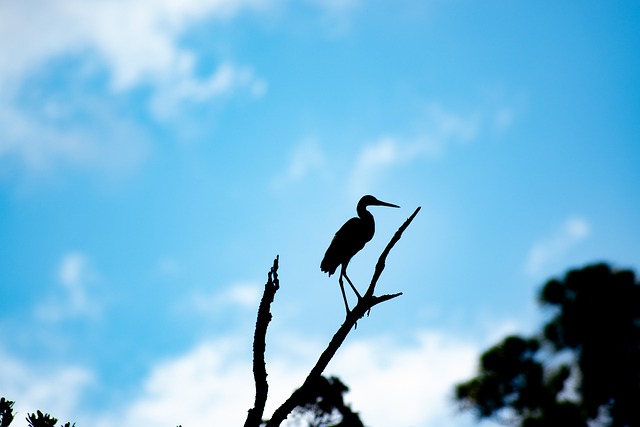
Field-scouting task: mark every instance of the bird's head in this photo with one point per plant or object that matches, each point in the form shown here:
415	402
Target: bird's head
369	200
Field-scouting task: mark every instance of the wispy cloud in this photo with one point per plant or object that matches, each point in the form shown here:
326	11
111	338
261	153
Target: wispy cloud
75	275
53	389
33	146
136	44
440	129
305	159
225	80
239	295
375	158
137	41
553	247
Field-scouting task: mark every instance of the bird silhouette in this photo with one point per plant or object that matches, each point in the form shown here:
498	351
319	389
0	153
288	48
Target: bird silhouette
348	241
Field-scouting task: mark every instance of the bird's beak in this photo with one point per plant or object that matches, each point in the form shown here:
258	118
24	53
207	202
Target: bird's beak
381	203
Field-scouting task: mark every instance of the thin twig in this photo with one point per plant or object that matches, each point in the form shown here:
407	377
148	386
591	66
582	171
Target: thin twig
383	257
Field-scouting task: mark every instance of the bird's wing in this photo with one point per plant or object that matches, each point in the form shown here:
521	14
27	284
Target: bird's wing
343	246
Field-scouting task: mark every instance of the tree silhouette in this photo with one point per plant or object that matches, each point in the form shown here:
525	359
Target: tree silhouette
6	412
37	419
43	420
323	406
582	369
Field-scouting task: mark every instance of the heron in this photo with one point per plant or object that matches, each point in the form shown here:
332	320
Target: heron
348	241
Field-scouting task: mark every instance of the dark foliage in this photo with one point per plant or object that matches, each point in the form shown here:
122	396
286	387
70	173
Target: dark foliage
37	419
584	367
41	420
44	420
323	406
6	412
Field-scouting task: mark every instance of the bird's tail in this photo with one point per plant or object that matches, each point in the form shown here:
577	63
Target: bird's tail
326	268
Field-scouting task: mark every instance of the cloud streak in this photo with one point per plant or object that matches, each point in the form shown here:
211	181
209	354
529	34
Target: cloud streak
245	295
32	147
440	130
75	276
573	231
306	158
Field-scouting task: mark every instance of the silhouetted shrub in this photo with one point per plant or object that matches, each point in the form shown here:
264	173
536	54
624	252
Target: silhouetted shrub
584	366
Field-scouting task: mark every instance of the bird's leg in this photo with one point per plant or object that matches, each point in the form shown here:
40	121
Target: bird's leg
344	296
352	287
346	305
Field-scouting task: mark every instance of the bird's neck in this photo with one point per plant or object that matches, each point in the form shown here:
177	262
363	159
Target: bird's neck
364	213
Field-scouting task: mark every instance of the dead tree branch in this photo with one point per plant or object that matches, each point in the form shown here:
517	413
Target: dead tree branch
254	417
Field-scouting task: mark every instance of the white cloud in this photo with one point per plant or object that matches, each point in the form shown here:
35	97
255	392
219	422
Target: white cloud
306	158
75	275
243	294
553	247
227	78
139	44
441	128
56	390
210	385
246	295
138	41
391	383
449	127
373	159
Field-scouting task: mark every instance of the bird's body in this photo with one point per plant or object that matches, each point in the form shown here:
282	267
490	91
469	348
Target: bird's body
349	240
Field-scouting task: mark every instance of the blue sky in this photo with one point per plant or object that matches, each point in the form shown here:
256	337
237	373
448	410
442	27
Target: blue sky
156	155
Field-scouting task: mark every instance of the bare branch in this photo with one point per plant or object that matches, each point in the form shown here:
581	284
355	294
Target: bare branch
383	257
254	417
364	305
